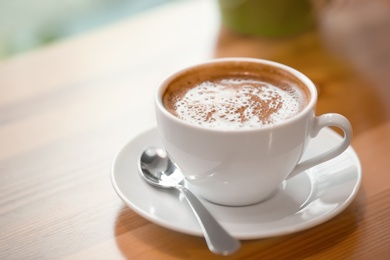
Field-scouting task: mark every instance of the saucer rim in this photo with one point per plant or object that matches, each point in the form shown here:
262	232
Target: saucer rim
256	235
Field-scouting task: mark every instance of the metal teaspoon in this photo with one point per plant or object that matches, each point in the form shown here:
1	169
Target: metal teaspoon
158	170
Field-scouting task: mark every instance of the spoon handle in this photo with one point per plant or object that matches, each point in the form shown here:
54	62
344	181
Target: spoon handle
218	240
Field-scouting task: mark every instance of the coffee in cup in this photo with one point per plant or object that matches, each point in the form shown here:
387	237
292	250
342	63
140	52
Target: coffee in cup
235	99
238	127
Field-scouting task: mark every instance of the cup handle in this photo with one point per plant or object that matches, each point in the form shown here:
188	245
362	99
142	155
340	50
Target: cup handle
321	122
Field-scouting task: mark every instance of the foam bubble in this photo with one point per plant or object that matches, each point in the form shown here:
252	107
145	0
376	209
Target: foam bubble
237	103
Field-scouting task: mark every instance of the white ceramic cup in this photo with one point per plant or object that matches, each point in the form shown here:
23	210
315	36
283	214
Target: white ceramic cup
238	167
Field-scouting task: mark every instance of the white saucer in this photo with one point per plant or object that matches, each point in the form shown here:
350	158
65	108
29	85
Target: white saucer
302	202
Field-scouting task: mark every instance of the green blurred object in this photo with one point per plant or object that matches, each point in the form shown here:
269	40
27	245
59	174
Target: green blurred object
274	18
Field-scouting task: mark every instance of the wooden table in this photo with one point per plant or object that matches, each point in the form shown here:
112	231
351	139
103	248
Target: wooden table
66	109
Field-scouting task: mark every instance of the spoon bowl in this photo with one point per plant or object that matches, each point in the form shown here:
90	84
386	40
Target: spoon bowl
157	169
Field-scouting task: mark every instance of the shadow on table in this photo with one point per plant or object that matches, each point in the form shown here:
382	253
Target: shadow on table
294	246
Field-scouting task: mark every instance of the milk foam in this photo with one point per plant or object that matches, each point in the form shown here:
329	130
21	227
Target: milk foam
236	103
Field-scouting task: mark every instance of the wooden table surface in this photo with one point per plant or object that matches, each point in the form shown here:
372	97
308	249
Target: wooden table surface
67	109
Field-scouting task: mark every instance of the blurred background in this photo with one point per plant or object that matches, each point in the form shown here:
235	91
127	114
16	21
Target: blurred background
28	24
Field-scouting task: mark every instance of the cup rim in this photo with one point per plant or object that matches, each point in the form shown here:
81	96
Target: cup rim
303	78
